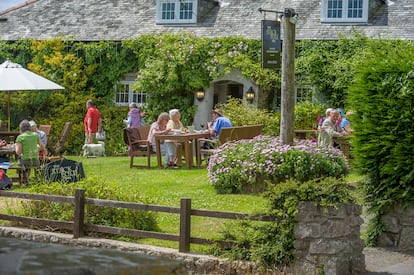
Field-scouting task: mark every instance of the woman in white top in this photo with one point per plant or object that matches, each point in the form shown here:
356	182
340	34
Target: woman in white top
174	124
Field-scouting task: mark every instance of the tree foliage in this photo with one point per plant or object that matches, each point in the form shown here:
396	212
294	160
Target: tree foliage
382	94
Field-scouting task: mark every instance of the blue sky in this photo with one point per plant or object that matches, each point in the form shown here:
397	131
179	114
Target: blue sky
4	4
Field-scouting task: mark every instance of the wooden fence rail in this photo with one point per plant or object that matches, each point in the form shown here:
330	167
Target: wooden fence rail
78	225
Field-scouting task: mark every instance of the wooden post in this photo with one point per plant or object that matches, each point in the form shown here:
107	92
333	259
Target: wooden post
185	225
287	117
79	213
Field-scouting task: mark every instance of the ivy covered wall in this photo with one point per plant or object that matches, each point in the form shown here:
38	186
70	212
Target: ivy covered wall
170	68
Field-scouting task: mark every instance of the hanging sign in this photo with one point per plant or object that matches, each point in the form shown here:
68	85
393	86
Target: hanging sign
271	44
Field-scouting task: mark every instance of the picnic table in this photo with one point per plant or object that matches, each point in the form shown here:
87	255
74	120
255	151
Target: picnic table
185	138
344	144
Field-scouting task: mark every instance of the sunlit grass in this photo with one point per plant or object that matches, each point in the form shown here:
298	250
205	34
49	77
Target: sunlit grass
166	187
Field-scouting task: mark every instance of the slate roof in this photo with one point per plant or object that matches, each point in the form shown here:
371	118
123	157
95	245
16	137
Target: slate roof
92	20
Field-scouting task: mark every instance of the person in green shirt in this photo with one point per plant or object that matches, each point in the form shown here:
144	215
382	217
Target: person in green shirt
28	145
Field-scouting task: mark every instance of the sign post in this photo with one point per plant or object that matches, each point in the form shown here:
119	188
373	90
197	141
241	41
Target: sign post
271	44
271	50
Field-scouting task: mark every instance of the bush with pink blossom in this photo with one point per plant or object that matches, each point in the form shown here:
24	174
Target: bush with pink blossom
246	166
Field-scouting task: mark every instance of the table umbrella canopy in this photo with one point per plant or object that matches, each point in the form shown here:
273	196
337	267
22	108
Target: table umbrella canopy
13	77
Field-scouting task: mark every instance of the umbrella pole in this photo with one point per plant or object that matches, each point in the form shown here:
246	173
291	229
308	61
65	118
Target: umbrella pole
8	111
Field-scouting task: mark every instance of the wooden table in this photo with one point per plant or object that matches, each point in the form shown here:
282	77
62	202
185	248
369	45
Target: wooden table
7	151
301	134
182	137
344	144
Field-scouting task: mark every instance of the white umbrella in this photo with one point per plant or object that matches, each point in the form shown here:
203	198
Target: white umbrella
13	77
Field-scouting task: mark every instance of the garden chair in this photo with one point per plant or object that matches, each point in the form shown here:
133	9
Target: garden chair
55	150
138	144
226	134
46	129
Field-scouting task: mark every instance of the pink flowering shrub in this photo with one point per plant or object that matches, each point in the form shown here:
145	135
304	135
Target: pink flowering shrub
237	165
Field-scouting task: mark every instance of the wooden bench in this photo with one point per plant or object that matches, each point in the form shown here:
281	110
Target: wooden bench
304	134
226	135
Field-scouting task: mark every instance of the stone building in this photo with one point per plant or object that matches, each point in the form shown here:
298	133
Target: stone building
97	20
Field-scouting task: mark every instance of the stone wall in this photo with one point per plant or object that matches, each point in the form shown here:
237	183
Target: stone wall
328	240
398	228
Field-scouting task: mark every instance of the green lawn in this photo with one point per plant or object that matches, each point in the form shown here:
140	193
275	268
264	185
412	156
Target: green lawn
166	187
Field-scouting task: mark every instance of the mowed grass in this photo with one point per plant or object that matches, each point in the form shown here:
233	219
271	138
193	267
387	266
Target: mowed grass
166	187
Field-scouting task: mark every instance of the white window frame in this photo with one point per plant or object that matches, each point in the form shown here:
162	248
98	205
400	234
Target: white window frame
126	95
178	5
326	16
303	93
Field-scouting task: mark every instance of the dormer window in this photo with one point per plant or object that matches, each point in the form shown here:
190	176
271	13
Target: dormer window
344	11
176	11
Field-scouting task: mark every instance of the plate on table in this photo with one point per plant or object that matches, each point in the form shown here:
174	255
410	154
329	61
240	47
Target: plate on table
5	165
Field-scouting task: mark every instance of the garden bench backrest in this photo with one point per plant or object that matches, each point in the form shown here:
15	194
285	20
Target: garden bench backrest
226	135
239	132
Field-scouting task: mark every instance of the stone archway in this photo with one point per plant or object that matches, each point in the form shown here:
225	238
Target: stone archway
233	84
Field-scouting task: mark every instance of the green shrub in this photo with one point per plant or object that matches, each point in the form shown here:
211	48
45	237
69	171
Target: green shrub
382	94
117	217
270	244
242	113
306	114
235	166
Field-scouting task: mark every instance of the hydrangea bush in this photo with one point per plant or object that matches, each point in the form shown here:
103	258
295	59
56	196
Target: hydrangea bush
239	166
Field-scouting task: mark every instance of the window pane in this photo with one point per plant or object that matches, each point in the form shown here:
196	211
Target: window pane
186	10
334	9
139	98
168	11
355	8
303	94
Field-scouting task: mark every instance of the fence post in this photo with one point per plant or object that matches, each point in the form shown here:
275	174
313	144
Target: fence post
185	225
79	213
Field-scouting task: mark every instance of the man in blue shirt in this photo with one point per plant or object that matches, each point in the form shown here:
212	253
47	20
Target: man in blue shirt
218	122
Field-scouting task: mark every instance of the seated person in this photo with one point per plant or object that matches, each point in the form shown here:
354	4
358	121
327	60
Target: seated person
322	119
159	127
345	123
174	124
4	158
329	129
28	145
42	135
218	122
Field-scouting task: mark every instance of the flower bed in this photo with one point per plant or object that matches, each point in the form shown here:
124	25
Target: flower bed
247	165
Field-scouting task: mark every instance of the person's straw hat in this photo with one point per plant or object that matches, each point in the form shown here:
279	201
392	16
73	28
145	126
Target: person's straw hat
216	111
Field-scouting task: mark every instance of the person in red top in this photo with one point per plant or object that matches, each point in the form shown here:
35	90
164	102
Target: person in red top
92	122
